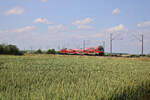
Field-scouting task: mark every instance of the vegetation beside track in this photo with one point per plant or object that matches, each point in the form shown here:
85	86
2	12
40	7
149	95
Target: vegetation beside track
59	77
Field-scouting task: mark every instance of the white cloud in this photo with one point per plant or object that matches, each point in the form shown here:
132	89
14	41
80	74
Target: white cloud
144	24
14	11
83	23
43	0
24	29
56	28
116	11
42	20
117	28
84	27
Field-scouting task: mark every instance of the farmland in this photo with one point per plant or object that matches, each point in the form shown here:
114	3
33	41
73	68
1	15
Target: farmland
57	77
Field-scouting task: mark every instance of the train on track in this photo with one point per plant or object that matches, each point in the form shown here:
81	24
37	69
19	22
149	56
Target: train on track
99	50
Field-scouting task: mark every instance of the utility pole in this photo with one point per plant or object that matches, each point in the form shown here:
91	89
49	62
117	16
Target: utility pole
142	44
83	44
141	40
110	43
58	47
31	49
62	44
104	44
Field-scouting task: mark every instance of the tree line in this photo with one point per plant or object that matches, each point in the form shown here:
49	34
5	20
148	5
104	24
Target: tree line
9	49
49	51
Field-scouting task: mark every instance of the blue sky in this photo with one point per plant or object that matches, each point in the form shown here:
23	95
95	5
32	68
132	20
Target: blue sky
66	23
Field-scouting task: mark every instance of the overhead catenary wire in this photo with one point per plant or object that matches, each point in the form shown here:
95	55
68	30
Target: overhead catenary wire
141	39
113	38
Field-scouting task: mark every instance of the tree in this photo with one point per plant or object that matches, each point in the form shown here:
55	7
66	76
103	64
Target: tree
39	51
51	51
1	49
9	49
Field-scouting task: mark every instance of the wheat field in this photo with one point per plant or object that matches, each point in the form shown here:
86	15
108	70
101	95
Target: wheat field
59	77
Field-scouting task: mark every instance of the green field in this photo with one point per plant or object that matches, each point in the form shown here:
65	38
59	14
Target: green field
54	77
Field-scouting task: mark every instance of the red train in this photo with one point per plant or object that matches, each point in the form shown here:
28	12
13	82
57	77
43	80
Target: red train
86	51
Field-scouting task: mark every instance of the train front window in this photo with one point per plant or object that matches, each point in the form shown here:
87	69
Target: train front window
100	49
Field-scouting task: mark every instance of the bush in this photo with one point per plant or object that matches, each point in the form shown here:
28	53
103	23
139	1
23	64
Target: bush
51	51
148	55
23	51
39	51
134	55
19	53
57	52
114	54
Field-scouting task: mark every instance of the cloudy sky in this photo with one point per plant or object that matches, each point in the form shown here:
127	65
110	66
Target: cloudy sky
56	24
